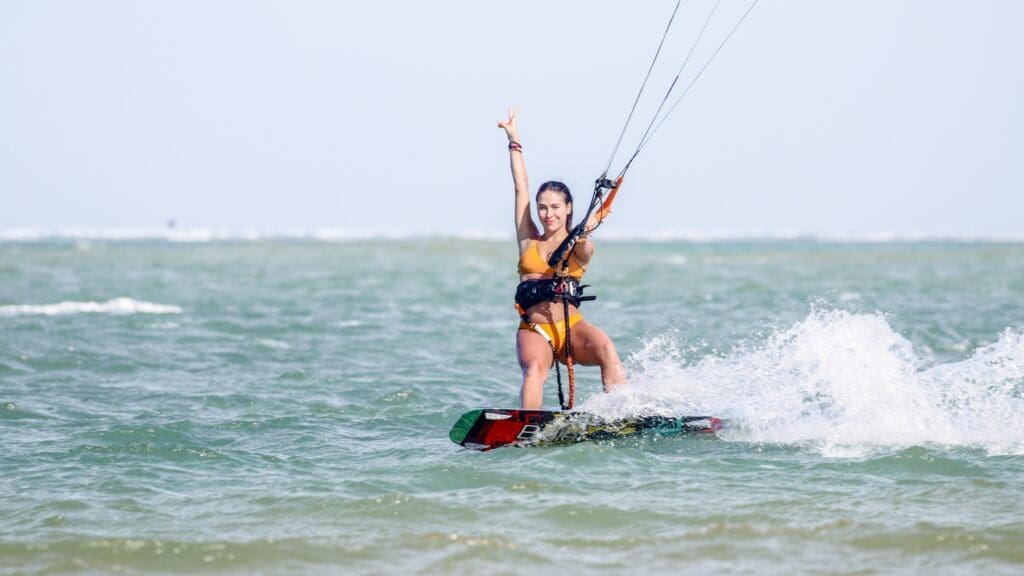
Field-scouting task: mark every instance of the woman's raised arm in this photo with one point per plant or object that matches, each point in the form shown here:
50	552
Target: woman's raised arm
525	228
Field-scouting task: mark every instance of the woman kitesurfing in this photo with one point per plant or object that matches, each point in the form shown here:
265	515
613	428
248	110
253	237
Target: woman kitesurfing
554	256
548	296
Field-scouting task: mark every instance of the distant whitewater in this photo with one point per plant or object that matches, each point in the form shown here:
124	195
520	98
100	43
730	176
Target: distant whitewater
113	306
339	234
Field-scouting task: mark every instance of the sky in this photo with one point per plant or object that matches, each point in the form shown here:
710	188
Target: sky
818	117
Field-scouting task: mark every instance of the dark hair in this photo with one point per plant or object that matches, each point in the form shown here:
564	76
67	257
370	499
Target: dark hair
556	186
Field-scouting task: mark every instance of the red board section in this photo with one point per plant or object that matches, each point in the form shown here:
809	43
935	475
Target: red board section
495	428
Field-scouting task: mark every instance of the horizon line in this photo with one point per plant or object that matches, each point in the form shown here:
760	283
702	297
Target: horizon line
343	234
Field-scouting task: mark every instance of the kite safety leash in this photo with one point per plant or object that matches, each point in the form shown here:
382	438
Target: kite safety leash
570	371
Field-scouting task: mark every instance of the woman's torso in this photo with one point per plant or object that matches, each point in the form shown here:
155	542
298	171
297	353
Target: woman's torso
533	266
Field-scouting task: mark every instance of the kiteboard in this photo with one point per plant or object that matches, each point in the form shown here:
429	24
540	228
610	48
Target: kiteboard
489	428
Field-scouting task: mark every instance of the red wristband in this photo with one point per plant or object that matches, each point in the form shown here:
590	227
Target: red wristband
513	145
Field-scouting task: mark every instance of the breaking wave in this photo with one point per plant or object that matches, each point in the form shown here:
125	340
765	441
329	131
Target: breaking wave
844	383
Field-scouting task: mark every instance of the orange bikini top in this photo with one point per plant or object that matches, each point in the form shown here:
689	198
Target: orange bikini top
532	263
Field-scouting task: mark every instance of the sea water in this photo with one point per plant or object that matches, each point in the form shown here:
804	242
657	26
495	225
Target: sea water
280	405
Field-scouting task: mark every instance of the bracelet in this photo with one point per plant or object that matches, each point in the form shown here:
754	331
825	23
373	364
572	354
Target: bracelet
513	145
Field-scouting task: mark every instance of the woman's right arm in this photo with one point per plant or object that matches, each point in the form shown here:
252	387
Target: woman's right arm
525	228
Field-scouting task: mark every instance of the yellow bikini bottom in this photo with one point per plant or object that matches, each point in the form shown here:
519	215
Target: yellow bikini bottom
554	332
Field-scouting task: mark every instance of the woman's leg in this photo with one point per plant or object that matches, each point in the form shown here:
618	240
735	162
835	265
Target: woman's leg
592	347
535	359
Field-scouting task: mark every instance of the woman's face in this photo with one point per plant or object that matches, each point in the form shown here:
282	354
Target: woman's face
553	210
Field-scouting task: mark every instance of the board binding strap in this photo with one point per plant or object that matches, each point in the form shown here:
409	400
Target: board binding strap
489	428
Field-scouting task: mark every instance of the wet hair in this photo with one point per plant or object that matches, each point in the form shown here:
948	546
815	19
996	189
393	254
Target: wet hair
560	187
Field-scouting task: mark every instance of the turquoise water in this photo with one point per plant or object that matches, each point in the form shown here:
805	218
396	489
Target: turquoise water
281	406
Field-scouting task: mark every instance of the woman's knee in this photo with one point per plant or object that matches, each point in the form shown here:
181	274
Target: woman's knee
606	352
534	369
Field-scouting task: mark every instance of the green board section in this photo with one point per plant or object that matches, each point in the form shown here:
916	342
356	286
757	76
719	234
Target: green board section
461	428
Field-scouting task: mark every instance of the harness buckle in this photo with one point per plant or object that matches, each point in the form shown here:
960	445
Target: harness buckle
566	287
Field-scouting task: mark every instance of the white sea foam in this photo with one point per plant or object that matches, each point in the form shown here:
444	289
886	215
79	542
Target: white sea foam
271	343
115	306
844	383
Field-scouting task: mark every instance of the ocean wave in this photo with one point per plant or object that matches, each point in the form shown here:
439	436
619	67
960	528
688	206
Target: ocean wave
338	234
846	384
114	306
